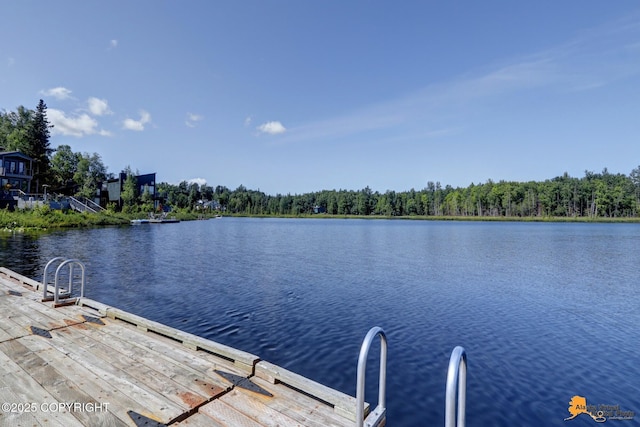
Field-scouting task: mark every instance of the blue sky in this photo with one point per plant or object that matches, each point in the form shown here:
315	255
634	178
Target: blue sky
300	96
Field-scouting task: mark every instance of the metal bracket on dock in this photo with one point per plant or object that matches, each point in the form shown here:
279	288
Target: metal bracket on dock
58	292
140	420
456	381
242	382
40	332
377	416
94	320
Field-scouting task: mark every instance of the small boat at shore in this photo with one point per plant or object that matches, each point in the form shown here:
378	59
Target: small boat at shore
139	221
162	219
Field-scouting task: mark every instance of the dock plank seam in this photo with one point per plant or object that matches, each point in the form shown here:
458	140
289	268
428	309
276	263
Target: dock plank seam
231	388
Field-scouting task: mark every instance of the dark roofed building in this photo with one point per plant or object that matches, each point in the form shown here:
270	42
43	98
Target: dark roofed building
114	188
16	173
16	170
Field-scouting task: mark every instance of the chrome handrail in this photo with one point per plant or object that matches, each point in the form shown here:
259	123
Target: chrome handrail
456	380
71	263
45	282
378	415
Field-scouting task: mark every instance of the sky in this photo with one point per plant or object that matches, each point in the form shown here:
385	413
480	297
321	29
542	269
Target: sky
297	96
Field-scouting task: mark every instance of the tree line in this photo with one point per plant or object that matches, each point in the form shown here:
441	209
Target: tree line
604	194
601	194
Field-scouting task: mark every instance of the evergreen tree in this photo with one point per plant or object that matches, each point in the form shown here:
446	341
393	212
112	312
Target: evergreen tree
39	148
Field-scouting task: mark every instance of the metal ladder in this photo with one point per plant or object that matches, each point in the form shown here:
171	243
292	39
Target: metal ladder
455	389
456	381
59	293
377	417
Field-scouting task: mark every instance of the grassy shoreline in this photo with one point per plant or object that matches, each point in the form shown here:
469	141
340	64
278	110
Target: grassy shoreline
42	219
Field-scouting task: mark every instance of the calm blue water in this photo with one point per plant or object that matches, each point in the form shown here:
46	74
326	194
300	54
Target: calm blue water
545	311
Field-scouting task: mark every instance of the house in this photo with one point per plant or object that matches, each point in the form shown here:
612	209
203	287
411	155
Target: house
317	209
113	188
16	173
16	170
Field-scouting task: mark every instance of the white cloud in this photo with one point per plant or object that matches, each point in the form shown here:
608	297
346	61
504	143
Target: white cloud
98	107
137	125
272	128
74	125
199	181
247	121
192	119
113	44
57	92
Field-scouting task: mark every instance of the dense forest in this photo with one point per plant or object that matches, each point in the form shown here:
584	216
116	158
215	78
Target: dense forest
595	195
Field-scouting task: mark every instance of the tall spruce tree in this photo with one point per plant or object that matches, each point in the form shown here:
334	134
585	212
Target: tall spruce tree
39	148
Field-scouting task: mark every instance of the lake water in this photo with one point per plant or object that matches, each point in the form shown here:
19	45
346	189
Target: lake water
545	311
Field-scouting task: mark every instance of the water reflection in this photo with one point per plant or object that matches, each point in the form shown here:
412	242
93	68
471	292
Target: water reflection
20	252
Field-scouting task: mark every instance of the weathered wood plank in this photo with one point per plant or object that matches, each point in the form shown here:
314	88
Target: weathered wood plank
62	316
12	325
56	384
31	380
227	416
155	403
41	315
343	404
135	364
101	390
20	279
242	359
198	420
187	396
257	410
14	416
152	364
302	408
4	335
169	351
94	305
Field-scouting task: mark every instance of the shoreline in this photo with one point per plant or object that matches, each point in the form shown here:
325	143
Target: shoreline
11	222
449	218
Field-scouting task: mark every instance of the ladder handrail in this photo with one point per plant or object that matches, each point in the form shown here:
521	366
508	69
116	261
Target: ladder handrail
71	263
378	414
456	381
45	282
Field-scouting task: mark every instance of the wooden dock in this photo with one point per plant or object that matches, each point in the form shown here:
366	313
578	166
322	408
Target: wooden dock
89	364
